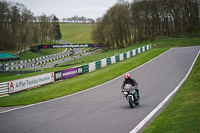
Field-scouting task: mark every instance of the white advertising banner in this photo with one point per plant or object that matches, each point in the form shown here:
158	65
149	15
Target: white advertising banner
26	83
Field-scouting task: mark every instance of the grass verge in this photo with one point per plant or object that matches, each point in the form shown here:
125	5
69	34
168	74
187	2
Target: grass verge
84	81
160	42
182	115
177	42
77	62
43	52
99	56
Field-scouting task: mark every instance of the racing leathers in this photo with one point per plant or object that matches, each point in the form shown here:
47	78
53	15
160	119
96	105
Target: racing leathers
132	82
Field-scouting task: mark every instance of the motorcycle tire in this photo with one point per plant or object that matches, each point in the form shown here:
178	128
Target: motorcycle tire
131	103
137	103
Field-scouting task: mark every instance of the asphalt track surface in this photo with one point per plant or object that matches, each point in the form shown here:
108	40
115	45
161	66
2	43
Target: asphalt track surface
52	64
103	109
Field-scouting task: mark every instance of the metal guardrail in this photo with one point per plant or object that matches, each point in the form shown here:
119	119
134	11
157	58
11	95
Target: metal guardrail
4	88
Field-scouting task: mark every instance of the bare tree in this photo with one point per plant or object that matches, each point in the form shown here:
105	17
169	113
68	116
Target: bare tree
143	20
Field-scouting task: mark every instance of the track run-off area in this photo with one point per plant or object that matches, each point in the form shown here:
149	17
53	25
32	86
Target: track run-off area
103	109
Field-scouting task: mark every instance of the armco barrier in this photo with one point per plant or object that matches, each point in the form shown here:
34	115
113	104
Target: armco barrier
3	88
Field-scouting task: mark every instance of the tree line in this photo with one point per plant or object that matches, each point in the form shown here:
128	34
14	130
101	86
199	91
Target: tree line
19	28
77	19
143	20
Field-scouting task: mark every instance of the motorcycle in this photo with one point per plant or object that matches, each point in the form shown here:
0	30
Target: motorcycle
131	95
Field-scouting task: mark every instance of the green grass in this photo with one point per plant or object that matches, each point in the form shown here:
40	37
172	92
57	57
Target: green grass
70	86
173	42
43	52
5	75
95	57
177	42
76	33
170	42
10	77
85	60
182	115
31	55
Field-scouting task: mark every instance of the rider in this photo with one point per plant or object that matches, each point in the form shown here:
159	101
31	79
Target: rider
129	80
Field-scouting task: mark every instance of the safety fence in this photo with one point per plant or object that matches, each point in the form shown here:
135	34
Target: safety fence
22	64
38	80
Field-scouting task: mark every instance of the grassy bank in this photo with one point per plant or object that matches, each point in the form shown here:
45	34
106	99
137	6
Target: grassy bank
76	33
176	42
98	56
43	52
182	115
84	60
160	42
70	86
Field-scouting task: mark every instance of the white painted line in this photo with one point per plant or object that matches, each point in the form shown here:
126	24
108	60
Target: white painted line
150	115
84	90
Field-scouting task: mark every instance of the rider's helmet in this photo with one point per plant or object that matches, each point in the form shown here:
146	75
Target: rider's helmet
127	76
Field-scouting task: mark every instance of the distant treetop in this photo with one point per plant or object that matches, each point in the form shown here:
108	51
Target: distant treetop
77	19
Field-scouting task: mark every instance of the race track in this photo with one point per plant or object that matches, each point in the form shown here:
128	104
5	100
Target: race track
103	109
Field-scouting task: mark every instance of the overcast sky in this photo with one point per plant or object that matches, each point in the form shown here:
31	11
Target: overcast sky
68	8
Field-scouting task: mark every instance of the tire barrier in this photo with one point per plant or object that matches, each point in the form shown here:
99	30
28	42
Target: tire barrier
114	59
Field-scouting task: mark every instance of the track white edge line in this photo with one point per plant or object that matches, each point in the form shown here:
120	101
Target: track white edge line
83	90
152	113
